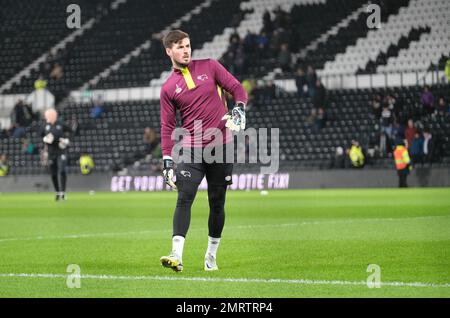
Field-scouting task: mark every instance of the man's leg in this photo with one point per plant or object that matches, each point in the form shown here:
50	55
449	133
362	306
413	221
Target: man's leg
219	177
189	177
62	164
216	198
53	165
402	174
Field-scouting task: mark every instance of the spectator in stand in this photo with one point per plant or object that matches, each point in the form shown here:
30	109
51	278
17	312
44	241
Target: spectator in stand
443	107
22	114
57	72
284	58
398	132
269	91
429	147
416	149
28	147
235	42
427	100
301	83
97	109
74	125
386	121
262	43
320	120
390	101
240	66
150	140
410	132
338	161
311	77
376	106
311	119
385	144
319	95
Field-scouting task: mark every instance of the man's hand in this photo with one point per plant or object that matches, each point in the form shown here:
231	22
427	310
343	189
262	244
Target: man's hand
236	119
63	143
48	139
168	172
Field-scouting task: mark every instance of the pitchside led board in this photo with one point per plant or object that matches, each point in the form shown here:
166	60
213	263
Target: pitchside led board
248	181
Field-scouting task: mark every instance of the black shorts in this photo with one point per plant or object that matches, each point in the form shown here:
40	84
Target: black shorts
217	173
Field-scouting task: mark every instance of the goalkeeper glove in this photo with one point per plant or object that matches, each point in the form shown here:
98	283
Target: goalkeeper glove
63	143
236	119
48	139
168	172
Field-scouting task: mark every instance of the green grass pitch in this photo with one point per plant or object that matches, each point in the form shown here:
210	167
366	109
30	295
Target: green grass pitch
296	243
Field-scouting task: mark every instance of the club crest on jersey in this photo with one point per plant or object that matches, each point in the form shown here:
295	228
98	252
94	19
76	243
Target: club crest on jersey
178	89
185	173
202	77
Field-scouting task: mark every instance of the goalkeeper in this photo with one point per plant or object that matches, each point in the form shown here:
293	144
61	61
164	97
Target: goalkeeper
194	88
55	143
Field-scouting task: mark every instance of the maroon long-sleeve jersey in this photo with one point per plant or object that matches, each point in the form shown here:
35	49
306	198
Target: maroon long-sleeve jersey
197	92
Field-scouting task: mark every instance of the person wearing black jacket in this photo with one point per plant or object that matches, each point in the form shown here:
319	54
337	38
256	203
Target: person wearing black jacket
53	133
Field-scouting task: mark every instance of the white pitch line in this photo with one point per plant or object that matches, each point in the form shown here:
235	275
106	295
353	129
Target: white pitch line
224	280
112	234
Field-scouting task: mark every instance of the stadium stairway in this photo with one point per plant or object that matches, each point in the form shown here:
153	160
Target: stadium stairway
430	47
304	29
394	50
153	61
418	56
28	30
117	34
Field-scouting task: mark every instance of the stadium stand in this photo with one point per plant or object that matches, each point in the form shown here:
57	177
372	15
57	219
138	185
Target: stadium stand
29	29
109	40
413	36
153	61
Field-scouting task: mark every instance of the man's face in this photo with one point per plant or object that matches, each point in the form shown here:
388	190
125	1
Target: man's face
180	53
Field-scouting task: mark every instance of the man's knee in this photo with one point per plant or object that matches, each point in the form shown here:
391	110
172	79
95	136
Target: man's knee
216	198
186	194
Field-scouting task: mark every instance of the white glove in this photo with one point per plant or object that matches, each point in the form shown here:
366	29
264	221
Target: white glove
48	139
168	173
63	143
236	120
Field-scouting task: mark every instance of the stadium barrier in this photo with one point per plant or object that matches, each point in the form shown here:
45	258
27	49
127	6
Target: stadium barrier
321	179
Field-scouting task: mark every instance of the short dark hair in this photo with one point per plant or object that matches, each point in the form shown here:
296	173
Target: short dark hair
174	37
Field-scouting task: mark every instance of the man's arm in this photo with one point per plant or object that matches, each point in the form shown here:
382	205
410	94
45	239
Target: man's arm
235	120
168	120
228	82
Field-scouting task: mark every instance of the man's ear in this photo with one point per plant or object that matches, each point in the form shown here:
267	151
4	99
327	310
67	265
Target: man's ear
169	52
